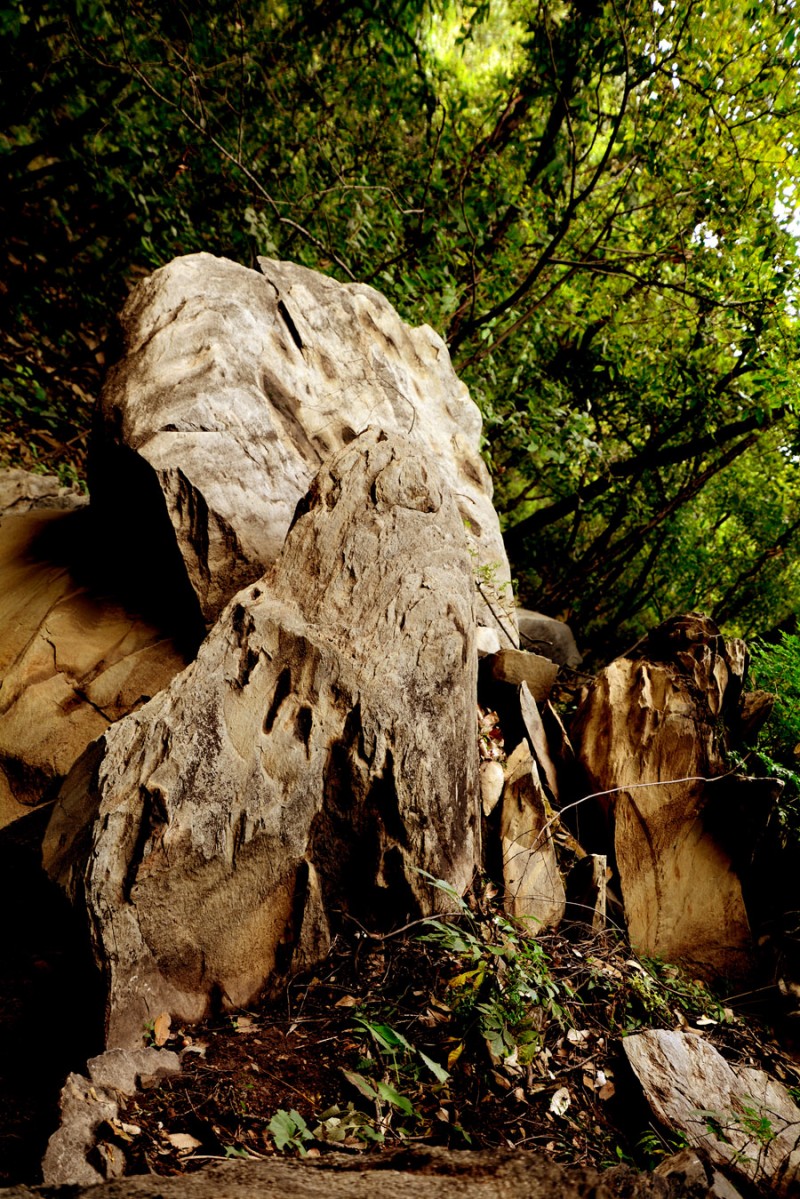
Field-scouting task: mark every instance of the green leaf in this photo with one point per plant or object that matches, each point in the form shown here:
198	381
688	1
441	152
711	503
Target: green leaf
401	1102
438	1072
360	1084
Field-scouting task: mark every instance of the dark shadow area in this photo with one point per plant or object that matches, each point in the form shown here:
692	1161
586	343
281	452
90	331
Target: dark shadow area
122	548
51	1001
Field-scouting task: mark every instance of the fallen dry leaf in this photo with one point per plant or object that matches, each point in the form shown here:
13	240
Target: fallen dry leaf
183	1142
577	1036
346	1001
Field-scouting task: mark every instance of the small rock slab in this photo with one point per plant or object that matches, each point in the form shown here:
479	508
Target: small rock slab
533	885
516	666
743	1119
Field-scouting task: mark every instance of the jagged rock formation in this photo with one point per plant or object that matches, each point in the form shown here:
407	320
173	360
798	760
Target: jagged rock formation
319	750
87	1103
651	733
71	659
236	385
533	884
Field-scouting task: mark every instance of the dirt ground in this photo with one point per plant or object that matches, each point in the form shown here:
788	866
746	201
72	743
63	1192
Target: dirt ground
466	1035
302	1073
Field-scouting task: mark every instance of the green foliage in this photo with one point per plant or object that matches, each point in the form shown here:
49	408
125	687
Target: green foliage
290	1131
647	993
654	1146
504	987
775	667
593	202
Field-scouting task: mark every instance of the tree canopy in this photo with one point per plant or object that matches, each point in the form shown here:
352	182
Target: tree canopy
594	202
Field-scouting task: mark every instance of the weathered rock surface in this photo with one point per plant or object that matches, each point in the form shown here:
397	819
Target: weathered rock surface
548	637
650	732
234	388
319	750
71	659
487	641
403	1174
21	491
86	1103
754	1125
694	1168
533	885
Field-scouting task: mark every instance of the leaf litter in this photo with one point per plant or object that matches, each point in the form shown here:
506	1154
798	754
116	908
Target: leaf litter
405	1039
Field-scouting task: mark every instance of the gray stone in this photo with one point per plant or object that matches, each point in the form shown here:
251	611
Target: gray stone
317	754
547	636
83	1108
722	1109
234	388
126	1071
86	1103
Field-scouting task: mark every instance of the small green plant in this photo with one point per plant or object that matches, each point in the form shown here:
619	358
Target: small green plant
395	1046
236	1151
654	1146
507	986
498	595
749	1131
345	1125
290	1131
756	1123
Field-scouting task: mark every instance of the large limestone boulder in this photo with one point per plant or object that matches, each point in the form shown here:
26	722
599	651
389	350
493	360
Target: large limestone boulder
319	752
72	659
651	736
236	385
